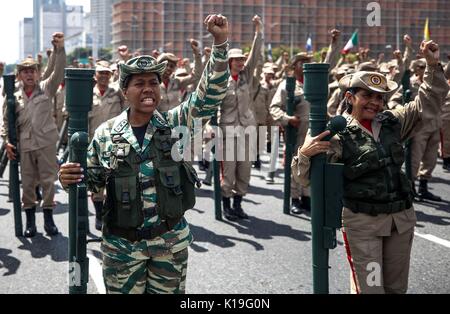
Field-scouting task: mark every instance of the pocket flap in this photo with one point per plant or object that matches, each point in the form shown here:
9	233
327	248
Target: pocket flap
170	176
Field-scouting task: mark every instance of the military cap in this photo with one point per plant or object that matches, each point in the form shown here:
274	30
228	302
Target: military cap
140	65
384	68
236	53
268	70
103	66
181	72
167	57
26	64
367	66
302	56
372	81
418	63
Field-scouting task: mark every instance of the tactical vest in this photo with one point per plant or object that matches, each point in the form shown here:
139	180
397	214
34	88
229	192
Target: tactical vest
373	180
174	183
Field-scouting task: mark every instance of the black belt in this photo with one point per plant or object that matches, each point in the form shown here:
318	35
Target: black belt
374	209
137	235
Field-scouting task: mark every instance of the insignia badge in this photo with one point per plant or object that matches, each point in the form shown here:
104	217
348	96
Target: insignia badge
142	63
375	80
120	126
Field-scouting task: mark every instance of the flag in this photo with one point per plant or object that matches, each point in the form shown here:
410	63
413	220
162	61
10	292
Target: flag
309	47
426	31
269	53
353	42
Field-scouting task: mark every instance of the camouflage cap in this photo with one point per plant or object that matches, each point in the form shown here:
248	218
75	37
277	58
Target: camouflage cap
139	65
372	81
167	57
26	64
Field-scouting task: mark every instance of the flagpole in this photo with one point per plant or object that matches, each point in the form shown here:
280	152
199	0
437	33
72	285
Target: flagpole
398	26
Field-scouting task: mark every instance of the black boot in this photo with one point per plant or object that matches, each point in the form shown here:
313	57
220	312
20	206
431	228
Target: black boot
257	163
425	194
296	206
269	147
209	174
201	165
446	164
306	203
270	177
238	208
31	222
98	214
49	224
227	210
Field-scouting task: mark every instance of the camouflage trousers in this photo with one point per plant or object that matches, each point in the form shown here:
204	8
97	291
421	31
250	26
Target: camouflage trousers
143	270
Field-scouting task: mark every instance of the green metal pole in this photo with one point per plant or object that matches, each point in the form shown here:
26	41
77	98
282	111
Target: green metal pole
9	81
216	174
316	92
290	138
79	93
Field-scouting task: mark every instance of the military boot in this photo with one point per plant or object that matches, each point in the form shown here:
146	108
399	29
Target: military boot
257	163
237	200
229	212
306	203
296	206
269	147
98	214
270	177
446	164
31	222
425	194
209	174
49	224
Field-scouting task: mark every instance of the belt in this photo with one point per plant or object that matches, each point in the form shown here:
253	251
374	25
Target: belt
139	234
374	209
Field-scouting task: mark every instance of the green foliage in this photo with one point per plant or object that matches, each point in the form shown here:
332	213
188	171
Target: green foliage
84	53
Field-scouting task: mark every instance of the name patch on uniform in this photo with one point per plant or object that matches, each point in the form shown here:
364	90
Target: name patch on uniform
121	126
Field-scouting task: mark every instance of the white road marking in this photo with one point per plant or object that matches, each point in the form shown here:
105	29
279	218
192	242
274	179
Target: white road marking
434	239
96	273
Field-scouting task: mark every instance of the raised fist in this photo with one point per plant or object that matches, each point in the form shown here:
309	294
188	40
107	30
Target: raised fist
217	25
58	40
430	51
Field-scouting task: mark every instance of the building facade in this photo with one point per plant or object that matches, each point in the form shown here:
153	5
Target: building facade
168	24
26	40
101	15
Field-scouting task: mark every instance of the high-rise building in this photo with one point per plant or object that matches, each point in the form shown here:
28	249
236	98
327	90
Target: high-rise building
168	24
101	15
26	38
50	16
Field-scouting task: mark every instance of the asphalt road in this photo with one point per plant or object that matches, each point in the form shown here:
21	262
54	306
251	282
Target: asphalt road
269	253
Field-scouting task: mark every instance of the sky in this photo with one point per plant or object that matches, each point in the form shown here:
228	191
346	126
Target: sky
11	12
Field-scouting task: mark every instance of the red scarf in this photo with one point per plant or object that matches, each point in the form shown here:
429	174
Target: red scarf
367	124
29	94
235	77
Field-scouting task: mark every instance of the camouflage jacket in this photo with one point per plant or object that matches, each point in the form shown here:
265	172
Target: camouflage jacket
203	102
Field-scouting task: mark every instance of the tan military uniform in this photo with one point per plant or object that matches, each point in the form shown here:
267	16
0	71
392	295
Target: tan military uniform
171	95
59	108
104	108
281	118
385	240
38	134
425	144
235	110
446	128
